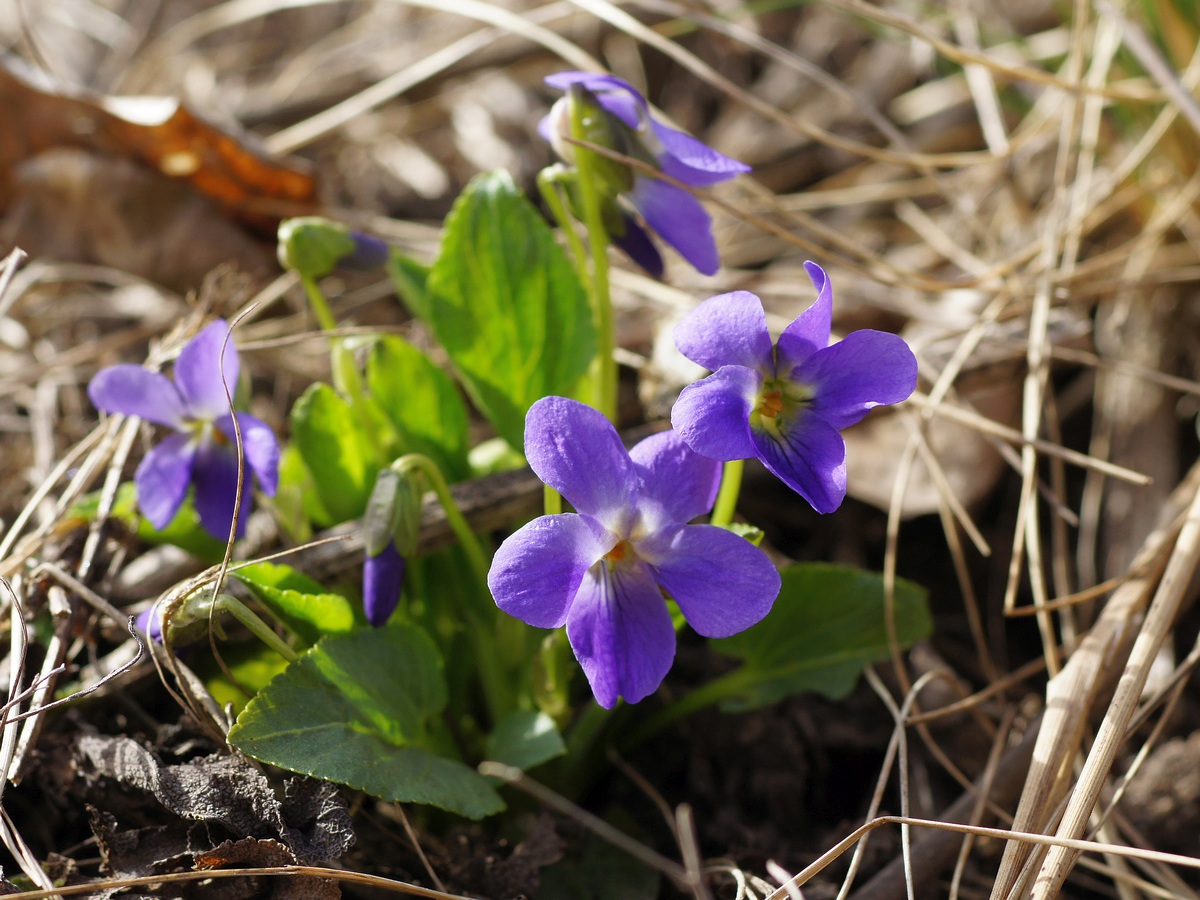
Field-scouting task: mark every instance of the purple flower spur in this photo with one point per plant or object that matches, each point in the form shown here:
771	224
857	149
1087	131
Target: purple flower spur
674	214
203	451
603	571
785	403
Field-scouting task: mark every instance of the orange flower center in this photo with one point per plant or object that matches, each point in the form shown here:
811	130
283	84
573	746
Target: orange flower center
618	553
771	405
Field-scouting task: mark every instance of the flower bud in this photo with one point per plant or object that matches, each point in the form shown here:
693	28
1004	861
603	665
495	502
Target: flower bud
580	116
391	530
313	247
383	576
383	512
149	622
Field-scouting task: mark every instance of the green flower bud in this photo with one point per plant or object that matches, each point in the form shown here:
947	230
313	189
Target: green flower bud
313	247
383	512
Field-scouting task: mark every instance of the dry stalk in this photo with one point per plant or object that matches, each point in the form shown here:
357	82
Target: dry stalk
1072	693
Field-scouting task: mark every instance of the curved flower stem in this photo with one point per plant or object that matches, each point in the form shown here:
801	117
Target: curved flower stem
551	183
257	627
345	373
454	518
589	200
496	684
551	501
346	377
727	497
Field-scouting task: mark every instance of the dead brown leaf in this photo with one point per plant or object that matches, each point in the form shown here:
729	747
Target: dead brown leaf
158	132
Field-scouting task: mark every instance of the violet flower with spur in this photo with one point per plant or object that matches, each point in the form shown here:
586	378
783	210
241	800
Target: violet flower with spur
785	402
604	570
618	117
203	451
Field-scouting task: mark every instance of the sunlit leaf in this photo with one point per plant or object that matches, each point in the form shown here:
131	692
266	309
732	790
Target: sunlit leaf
355	710
422	402
305	606
506	304
827	625
340	458
525	738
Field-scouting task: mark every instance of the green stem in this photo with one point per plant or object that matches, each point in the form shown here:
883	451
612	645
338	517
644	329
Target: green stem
345	374
589	200
454	517
551	500
346	377
727	497
587	726
496	684
242	613
705	695
550	184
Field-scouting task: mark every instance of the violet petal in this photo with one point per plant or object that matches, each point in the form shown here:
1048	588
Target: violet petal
208	357
150	620
537	571
679	219
636	244
621	632
809	456
575	449
370	253
135	391
259	447
722	583
713	415
676	480
865	369
162	479
383	576
691	161
809	332
727	330
215	475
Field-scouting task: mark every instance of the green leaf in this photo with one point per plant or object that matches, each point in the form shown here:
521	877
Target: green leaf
354	710
525	738
411	280
827	625
248	666
423	404
296	502
507	305
336	453
304	605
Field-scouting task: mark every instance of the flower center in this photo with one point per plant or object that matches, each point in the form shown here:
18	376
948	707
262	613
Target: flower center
780	402
618	554
204	431
771	404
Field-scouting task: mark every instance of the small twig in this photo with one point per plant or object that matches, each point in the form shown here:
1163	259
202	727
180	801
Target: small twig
598	826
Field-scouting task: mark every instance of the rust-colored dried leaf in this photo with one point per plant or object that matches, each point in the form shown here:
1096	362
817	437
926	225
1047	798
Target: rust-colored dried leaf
159	132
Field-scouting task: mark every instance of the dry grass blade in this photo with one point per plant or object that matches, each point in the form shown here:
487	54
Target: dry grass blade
1072	693
1182	564
1007	185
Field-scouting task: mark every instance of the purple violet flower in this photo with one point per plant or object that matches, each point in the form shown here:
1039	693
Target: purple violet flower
785	403
604	570
203	449
383	576
674	214
150	621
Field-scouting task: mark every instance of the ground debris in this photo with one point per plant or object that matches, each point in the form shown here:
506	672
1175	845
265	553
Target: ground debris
212	811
